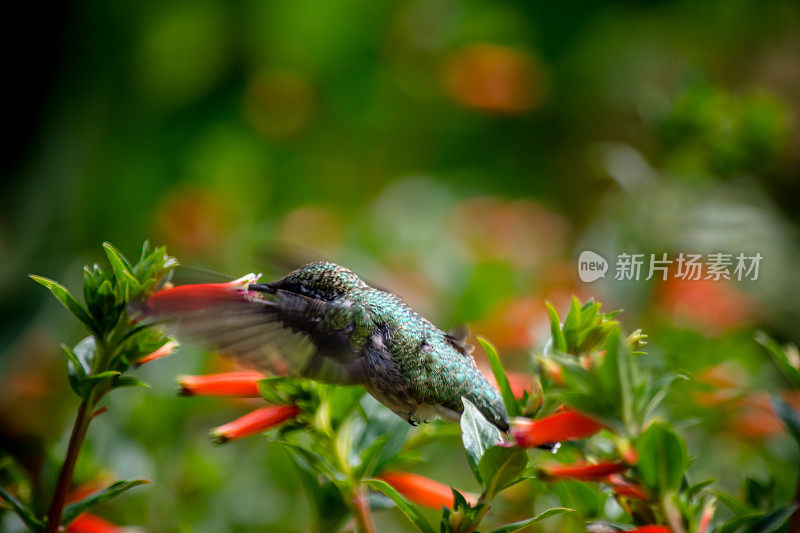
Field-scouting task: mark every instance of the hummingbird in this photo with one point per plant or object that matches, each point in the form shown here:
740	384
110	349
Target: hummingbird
322	322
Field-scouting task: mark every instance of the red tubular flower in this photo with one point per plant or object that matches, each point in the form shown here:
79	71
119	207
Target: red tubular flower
89	523
424	491
164	351
652	528
239	384
584	471
195	297
254	422
623	487
565	425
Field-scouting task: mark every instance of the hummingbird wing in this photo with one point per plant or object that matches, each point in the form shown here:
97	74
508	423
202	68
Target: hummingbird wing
282	333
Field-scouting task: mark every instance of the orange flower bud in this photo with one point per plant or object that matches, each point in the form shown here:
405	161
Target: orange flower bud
240	384
254	422
584	471
164	351
89	523
424	491
651	528
565	425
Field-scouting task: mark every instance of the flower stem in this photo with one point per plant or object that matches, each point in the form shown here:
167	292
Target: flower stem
361	511
64	482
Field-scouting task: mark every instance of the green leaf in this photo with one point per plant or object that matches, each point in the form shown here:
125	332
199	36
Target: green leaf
500	467
370	456
477	434
512	407
583	498
277	389
738	521
101	378
104	375
789	417
310	459
408	509
571	323
129	381
79	364
76	366
516	526
695	489
772	521
75	370
557	341
72	510
67	300
327	504
781	358
118	261
663	458
732	504
85	352
25	514
121	268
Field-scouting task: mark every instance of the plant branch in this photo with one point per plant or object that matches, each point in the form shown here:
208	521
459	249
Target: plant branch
361	511
64	482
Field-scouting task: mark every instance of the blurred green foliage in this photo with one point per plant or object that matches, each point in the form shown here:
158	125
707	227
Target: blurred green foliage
459	152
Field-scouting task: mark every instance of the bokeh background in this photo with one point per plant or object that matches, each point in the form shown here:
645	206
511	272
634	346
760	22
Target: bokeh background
458	152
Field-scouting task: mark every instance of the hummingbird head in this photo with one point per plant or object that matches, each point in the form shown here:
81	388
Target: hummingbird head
322	280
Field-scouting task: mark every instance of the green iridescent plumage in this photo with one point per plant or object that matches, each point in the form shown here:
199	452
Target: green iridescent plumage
433	370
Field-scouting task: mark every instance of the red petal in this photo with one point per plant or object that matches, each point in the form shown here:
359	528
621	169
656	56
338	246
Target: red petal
423	491
565	425
255	422
584	471
192	297
240	384
89	523
164	351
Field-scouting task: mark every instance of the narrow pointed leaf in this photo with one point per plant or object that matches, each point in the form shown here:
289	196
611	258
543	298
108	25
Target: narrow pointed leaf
780	358
516	526
25	514
512	407
76	365
67	300
128	381
789	417
72	510
557	341
408	509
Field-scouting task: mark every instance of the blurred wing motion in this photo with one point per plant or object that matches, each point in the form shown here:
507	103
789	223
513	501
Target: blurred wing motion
274	331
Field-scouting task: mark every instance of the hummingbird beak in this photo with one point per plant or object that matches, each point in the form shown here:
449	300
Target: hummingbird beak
261	287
